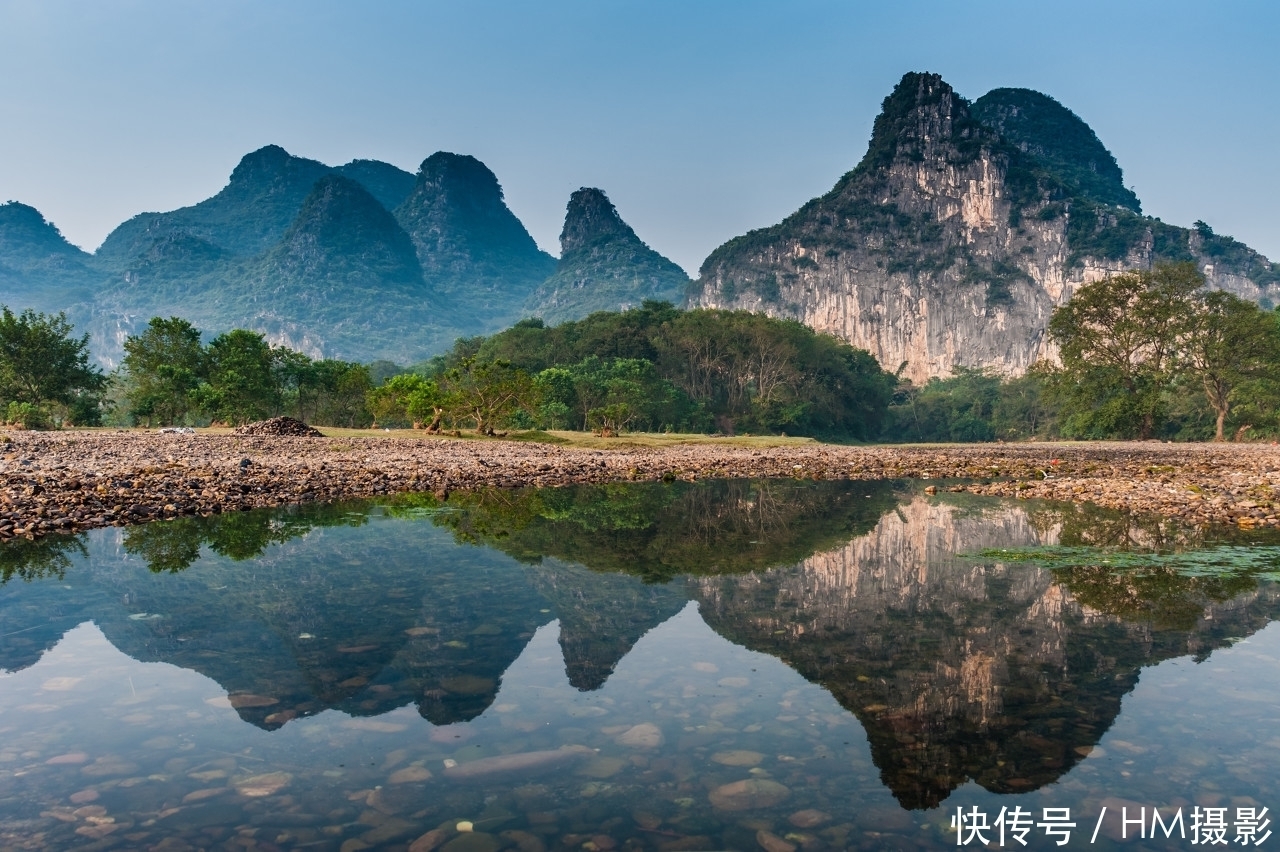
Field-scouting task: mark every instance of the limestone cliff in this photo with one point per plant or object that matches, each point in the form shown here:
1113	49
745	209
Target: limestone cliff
958	234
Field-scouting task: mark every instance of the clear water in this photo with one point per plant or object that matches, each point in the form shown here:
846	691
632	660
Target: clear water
732	665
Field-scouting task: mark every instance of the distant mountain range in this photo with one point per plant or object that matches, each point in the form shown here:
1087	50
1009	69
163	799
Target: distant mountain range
360	262
950	244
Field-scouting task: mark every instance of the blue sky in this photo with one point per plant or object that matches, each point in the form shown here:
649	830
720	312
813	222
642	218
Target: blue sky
701	120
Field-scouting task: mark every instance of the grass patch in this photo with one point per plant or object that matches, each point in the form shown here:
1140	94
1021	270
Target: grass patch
674	439
1219	561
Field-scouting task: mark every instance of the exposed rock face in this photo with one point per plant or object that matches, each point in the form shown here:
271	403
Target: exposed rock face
468	241
951	244
603	265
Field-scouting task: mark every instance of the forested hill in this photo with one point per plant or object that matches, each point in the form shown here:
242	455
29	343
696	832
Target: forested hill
363	261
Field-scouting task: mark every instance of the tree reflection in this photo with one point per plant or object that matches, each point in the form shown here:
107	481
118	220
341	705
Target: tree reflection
171	546
48	557
659	531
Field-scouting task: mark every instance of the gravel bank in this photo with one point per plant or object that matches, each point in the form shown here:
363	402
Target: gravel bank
78	480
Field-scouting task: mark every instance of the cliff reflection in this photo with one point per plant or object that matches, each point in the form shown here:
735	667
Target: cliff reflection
964	669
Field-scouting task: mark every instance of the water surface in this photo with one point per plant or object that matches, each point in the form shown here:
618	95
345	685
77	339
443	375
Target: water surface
726	665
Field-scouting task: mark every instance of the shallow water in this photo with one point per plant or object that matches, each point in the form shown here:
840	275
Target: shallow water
731	665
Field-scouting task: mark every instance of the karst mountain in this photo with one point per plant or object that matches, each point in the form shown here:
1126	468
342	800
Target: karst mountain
949	244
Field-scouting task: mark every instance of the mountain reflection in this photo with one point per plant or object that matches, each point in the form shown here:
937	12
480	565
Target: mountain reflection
962	669
957	667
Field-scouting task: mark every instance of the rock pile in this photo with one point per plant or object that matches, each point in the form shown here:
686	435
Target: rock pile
279	427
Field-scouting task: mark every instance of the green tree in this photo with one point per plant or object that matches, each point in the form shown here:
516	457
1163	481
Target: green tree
1118	339
488	392
1227	342
41	363
557	398
408	398
163	366
341	388
1023	409
241	384
614	393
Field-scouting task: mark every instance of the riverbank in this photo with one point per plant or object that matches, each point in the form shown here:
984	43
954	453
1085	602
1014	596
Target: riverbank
68	481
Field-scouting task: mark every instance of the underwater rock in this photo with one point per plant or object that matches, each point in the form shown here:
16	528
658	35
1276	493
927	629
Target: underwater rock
748	794
262	785
644	735
528	761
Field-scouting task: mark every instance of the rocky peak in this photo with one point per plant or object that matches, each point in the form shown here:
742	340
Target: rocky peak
267	163
590	217
459	179
463	230
385	182
958	234
922	118
603	265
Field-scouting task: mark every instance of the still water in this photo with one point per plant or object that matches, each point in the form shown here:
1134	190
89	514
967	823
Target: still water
728	665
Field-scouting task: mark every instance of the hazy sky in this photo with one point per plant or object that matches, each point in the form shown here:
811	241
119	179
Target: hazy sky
701	120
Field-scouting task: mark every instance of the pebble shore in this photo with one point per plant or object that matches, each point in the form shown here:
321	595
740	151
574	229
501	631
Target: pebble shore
70	481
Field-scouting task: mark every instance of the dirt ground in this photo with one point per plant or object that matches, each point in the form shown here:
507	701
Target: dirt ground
65	481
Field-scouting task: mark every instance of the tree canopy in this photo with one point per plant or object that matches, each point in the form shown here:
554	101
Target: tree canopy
42	364
655	367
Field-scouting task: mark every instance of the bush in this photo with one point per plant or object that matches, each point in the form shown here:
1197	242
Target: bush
24	415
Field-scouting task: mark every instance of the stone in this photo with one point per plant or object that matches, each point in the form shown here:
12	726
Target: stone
644	735
601	766
473	841
240	700
748	794
528	761
389	830
524	841
738	757
771	842
98	831
267	784
429	841
808	818
409	774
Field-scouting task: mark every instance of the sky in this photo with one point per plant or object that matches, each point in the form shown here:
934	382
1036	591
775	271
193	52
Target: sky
701	119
